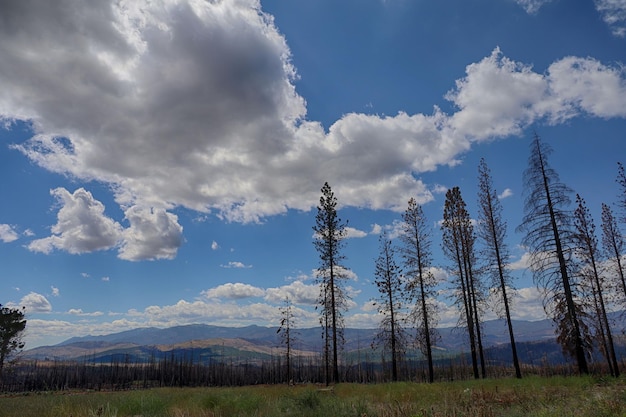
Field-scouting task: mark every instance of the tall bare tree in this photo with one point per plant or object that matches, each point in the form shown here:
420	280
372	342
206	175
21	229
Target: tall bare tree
458	246
420	282
613	244
589	255
549	237
287	333
329	236
492	232
390	303
621	197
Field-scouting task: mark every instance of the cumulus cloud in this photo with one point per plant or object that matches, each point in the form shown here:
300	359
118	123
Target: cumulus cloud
7	233
234	291
352	233
55	291
214	246
34	303
134	97
297	291
81	225
153	234
614	14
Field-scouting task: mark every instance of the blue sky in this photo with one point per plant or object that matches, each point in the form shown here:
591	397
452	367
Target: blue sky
161	164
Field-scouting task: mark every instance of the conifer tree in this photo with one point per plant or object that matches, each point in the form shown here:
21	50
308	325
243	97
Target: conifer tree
12	326
492	232
329	236
420	282
549	237
613	244
458	246
390	303
589	255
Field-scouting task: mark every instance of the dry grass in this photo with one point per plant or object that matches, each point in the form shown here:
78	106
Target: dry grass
533	396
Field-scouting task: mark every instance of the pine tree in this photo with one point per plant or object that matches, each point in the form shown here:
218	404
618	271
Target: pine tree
329	237
286	330
458	246
392	334
589	255
613	244
416	252
12	326
550	241
492	231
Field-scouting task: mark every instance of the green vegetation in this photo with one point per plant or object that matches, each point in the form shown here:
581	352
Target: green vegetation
532	396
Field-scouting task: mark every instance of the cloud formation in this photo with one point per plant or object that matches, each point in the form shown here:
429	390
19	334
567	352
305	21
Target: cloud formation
83	227
614	14
193	104
7	233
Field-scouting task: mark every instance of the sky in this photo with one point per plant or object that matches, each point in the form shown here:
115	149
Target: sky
161	162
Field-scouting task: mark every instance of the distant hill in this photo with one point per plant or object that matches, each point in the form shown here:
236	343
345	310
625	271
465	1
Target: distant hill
204	343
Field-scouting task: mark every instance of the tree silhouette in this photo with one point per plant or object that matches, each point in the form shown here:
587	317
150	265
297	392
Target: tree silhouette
492	232
613	244
420	282
458	246
550	241
286	330
12	325
589	256
392	334
329	237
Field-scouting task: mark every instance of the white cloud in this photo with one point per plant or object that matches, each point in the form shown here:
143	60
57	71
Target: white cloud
55	291
7	233
81	225
352	233
153	234
236	264
105	279
80	312
506	193
297	291
107	106
214	246
614	14
234	291
532	6
522	263
34	303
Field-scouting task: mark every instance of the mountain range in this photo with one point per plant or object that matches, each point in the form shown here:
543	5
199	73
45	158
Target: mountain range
204	343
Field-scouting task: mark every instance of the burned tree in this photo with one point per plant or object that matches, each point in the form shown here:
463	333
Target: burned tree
420	282
549	237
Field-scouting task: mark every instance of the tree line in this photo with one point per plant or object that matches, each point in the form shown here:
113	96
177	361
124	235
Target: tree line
580	276
580	279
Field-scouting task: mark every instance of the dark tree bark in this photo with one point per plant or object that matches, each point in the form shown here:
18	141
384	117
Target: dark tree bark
492	232
550	241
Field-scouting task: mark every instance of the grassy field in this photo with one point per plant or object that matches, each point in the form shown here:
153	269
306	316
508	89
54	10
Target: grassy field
533	396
